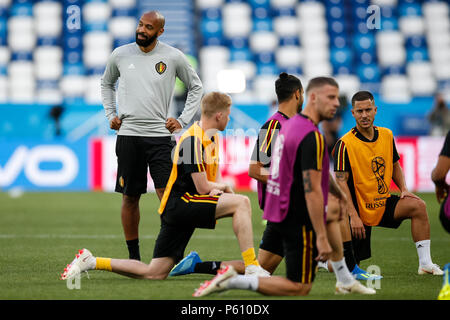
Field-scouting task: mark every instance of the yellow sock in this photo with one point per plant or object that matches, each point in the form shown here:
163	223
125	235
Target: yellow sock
249	257
103	264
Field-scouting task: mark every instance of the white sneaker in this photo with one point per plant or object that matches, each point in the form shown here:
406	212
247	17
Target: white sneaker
258	271
433	269
355	287
84	260
218	283
322	265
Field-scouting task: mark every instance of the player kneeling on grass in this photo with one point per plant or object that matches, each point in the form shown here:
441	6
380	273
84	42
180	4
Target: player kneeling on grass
192	199
366	163
296	201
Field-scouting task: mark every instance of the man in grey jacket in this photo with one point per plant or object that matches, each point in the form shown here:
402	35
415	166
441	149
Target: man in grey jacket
146	71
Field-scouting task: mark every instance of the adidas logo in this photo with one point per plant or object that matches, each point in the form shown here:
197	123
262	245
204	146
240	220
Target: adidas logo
131	66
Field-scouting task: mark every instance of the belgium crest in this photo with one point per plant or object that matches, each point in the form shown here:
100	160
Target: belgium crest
160	67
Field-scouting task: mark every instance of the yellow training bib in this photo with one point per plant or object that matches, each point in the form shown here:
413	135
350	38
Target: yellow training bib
372	167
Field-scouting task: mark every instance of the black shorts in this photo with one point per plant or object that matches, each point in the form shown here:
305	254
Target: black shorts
361	247
272	240
136	154
300	251
183	213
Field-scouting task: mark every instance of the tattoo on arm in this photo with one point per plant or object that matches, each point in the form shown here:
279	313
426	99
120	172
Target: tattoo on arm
342	176
307	182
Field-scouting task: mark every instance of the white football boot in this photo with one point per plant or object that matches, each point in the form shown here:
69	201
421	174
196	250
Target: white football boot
218	283
354	287
433	269
84	260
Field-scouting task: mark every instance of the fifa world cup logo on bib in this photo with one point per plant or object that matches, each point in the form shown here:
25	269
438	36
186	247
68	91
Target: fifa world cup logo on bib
378	168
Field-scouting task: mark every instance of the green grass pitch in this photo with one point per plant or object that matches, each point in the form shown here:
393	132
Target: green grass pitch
41	232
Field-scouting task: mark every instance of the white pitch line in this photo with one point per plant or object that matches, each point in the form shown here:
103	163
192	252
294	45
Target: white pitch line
117	236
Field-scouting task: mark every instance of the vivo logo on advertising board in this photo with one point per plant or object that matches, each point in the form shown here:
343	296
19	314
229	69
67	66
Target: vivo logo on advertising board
42	166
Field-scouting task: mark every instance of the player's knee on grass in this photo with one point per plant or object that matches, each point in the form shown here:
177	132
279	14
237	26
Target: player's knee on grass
302	289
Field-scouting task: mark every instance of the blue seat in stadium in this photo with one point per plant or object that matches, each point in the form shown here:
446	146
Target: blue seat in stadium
410	9
296	70
262	24
73	56
264	57
96	26
3	69
337	27
334	2
283	11
70	69
22	55
267	69
389	24
124	12
335	12
368	73
212	13
212	33
237	42
340	41
359	12
289	41
260	3
416	41
239	54
49	41
417	54
393	70
3	31
366	58
22	8
341	57
364	43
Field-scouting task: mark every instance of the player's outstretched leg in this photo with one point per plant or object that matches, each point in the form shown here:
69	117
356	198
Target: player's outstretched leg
158	268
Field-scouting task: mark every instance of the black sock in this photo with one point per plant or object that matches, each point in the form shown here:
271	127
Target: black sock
133	249
349	255
208	267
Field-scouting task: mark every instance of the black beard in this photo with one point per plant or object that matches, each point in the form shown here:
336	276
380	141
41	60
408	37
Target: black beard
145	42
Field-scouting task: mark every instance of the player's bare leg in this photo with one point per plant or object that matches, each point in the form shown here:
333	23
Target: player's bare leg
238	207
268	260
158	269
130	216
416	210
279	286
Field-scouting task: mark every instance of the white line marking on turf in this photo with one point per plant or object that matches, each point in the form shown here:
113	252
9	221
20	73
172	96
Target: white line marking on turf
120	236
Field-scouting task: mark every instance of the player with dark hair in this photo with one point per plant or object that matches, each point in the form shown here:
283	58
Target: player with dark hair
366	161
296	202
192	199
146	71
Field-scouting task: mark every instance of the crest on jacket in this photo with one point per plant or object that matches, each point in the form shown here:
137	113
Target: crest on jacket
160	67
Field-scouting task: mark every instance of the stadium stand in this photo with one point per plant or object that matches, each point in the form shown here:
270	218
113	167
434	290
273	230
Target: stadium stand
55	51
